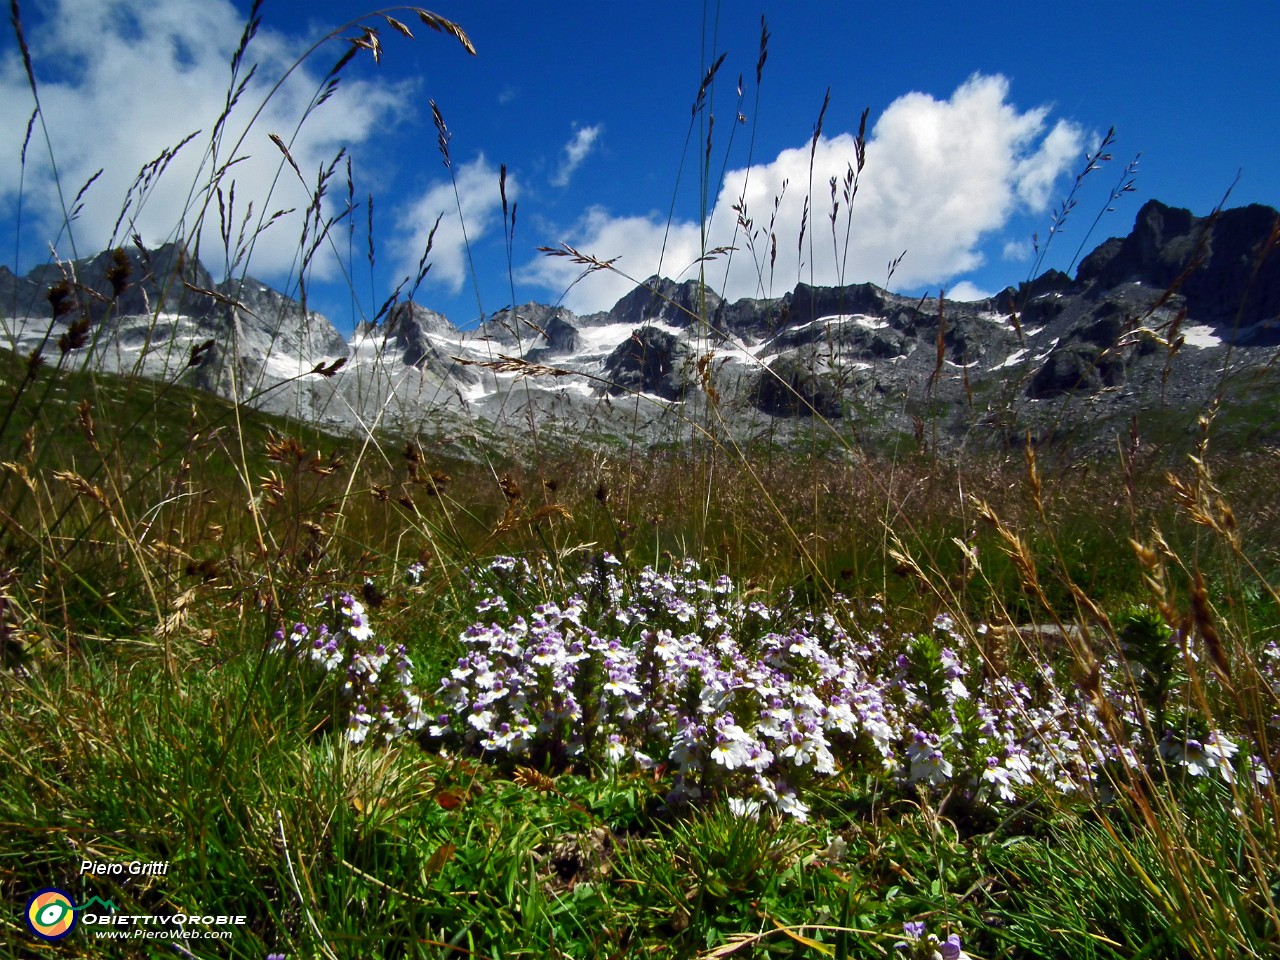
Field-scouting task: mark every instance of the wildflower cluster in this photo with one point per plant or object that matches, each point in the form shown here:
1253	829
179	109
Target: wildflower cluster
920	945
751	700
373	683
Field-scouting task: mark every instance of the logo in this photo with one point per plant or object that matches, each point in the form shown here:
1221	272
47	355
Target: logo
51	914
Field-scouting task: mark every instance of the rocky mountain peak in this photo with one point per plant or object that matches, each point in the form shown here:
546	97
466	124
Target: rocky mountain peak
1215	261
665	301
1088	352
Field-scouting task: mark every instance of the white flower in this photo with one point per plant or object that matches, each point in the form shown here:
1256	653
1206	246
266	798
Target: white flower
731	754
927	762
358	724
1261	775
480	719
1202	758
415	719
359	626
616	749
1219	750
998	776
791	805
840	716
492	603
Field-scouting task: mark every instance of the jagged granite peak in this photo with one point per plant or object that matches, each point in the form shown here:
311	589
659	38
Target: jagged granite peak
120	282
1231	284
808	303
659	300
532	327
418	331
560	337
1047	284
416	337
277	323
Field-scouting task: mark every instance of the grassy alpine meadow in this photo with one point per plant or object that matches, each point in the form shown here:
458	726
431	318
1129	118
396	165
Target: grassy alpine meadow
384	696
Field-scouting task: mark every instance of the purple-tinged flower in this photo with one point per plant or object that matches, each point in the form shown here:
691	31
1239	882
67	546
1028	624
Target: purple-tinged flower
791	805
616	750
927	761
920	945
358	724
914	929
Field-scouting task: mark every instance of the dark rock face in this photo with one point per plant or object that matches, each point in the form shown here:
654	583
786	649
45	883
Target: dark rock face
413	327
116	283
1218	260
530	326
559	338
969	338
651	361
841	337
792	387
1074	367
427	340
1105	325
21	296
659	300
810	303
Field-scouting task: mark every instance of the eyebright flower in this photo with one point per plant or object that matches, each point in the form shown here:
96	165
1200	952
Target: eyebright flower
358	724
920	945
927	761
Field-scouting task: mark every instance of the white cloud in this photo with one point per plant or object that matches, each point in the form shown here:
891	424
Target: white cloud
940	177
480	197
575	151
1017	250
121	81
967	292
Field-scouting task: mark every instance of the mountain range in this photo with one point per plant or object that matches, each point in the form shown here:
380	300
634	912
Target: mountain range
1156	321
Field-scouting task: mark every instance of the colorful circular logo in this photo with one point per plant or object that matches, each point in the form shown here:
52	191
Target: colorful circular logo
51	914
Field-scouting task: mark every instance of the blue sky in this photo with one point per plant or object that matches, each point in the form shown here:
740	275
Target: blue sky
980	118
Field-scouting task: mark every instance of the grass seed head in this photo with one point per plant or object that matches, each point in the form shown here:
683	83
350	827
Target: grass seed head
1202	611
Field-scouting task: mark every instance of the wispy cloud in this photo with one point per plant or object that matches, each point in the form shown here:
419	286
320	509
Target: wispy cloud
941	176
575	151
121	82
1017	251
480	198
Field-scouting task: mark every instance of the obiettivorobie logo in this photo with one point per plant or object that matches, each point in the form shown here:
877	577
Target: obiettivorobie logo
51	913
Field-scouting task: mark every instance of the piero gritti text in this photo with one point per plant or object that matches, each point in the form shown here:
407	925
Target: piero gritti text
134	868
